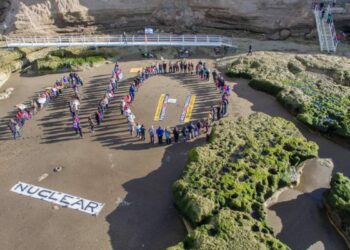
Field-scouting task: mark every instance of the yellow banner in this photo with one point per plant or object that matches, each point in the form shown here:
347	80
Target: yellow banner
159	107
190	109
135	70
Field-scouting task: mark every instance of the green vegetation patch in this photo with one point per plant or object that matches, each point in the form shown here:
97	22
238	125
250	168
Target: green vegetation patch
316	88
338	203
339	195
226	182
69	59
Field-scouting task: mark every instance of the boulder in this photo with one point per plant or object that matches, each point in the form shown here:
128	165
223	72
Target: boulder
284	34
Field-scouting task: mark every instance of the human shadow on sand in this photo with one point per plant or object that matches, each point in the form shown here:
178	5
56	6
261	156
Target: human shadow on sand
147	218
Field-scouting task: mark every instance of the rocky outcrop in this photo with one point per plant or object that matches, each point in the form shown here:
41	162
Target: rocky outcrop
279	19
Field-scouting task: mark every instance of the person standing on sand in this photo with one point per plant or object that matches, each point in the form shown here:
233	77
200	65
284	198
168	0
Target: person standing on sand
212	112
164	67
92	123
76	126
15	129
34	106
167	136
160	133
218	112
143	132
206	126
131	127
184	134
250	50
151	134
176	135
98	117
138	130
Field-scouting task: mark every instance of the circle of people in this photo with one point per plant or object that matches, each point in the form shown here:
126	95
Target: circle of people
190	130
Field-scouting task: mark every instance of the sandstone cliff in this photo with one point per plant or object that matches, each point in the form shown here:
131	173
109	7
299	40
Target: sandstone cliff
278	19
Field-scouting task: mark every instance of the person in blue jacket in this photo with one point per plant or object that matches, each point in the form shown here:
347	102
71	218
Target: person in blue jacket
160	133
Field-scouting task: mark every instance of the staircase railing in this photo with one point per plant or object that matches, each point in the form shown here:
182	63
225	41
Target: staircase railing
325	29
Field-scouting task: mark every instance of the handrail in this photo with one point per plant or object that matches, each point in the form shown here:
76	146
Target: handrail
119	40
326	30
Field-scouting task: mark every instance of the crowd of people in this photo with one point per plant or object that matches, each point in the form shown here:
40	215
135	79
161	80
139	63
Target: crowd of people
187	131
225	91
74	105
164	135
95	119
26	112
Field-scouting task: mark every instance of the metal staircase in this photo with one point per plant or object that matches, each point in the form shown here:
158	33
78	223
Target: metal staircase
325	29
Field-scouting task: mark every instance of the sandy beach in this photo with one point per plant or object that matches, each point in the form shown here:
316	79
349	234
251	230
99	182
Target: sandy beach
132	178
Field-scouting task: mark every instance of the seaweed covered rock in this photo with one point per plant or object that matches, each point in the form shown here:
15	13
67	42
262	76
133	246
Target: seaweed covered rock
316	88
337	201
226	182
231	230
293	99
335	67
69	59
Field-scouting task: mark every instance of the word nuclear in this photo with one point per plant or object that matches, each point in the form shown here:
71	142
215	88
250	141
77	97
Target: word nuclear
62	199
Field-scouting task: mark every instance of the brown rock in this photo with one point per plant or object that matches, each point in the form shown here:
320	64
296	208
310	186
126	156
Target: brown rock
284	34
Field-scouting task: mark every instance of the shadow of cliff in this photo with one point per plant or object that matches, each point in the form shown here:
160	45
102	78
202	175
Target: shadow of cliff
147	219
305	223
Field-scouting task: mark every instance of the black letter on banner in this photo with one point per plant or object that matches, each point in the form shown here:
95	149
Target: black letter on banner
63	200
21	187
79	202
51	198
37	189
44	191
92	205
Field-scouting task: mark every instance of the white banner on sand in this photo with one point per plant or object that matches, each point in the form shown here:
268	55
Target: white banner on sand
172	101
62	199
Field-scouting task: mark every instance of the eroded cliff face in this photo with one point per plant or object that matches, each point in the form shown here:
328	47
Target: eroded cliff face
277	18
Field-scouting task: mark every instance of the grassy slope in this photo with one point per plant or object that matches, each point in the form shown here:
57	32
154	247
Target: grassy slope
226	182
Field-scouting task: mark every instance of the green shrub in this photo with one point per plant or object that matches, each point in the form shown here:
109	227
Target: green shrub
337	201
339	195
295	69
266	86
244	75
305	118
226	182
